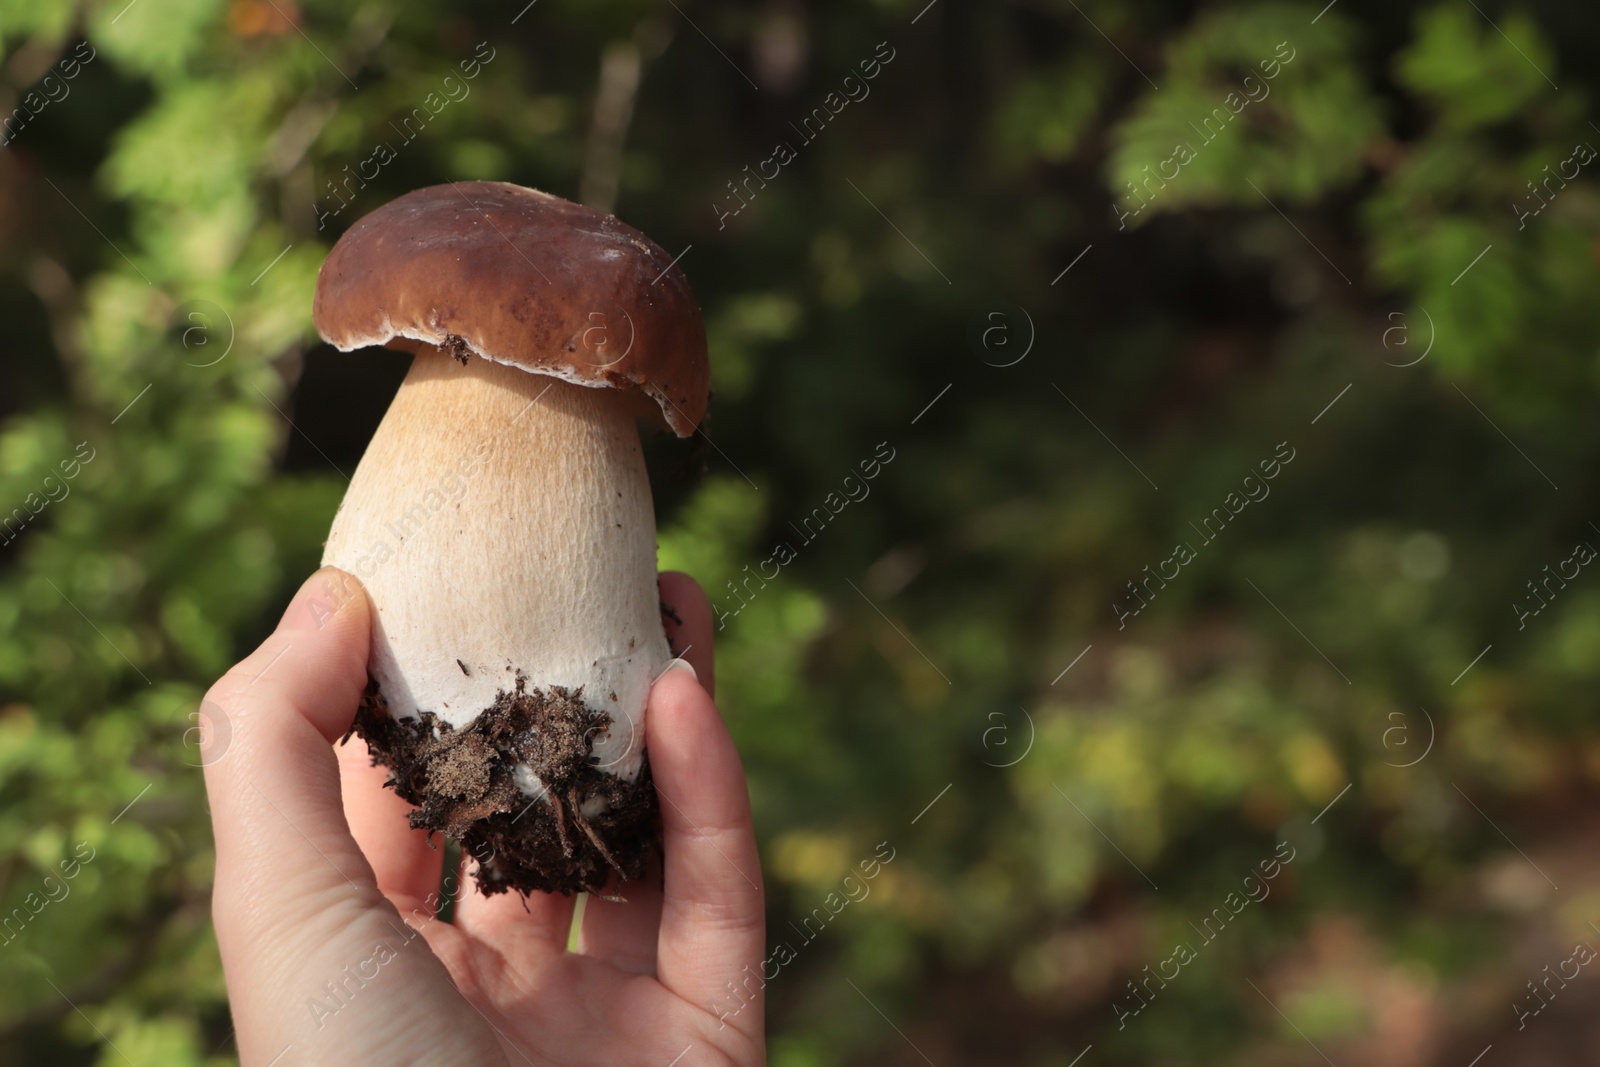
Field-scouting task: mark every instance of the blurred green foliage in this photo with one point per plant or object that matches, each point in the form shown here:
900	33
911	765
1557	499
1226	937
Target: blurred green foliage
159	243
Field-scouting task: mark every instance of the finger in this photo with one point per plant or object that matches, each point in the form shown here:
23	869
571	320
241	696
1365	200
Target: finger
284	705
623	931
407	864
545	918
690	633
712	919
296	906
542	917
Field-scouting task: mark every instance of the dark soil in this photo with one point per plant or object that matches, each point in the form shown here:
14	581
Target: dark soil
460	782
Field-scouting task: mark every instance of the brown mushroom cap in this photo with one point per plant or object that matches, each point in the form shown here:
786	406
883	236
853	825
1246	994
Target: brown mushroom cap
523	278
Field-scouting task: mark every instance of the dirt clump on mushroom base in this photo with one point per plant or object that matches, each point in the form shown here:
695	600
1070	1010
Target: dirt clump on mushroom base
460	782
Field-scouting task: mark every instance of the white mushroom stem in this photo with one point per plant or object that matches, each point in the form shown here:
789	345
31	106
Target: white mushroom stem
501	522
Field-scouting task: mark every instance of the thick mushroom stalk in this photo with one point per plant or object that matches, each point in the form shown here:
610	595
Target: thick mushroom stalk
502	524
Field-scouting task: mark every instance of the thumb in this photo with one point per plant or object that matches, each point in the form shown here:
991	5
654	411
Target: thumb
294	898
300	920
270	771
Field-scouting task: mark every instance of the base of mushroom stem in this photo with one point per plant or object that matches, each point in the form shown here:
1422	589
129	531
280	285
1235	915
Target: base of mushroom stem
589	829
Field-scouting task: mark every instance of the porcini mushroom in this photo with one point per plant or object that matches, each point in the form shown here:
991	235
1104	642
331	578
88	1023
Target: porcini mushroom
501	518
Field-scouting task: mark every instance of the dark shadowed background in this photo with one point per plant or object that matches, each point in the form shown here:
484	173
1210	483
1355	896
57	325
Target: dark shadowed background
1213	647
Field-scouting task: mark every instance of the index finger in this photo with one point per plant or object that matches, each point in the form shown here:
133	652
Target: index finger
688	625
713	916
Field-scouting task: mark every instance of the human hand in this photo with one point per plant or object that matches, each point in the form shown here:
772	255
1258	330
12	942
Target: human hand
325	898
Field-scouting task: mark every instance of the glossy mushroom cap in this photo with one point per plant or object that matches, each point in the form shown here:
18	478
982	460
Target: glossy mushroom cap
523	278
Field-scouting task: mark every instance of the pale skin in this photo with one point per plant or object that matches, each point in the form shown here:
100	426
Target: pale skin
320	880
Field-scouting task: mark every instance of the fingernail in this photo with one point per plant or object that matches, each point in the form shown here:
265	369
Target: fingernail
679	664
322	596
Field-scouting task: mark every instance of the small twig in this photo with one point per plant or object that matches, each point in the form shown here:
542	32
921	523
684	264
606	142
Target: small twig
561	826
577	816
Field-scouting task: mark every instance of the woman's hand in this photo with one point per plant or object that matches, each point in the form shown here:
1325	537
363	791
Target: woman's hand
325	898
